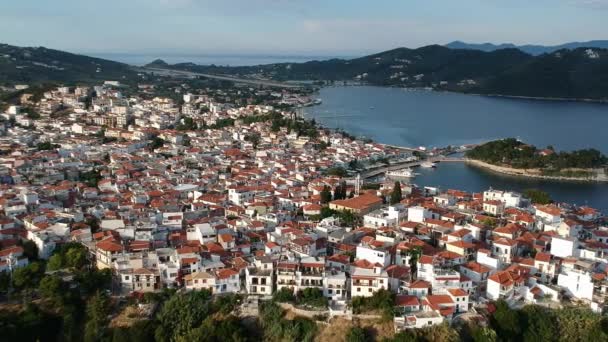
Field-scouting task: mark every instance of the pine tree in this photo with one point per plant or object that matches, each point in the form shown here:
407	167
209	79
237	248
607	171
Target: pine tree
396	195
325	195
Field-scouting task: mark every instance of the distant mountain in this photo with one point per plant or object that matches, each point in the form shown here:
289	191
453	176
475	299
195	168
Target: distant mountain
574	74
534	50
39	65
580	73
157	63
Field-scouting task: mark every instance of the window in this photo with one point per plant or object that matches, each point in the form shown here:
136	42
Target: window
127	278
358	289
369	290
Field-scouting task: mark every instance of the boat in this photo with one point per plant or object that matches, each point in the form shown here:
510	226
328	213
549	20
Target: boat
428	165
405	173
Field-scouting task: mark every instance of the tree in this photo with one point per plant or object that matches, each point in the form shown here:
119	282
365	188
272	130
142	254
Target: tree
30	250
356	334
98	309
312	296
76	257
340	191
540	324
336	171
254	139
182	313
538	196
484	334
94	280
28	277
506	322
5	281
229	329
157	143
415	254
396	195
51	287
326	195
284	295
580	324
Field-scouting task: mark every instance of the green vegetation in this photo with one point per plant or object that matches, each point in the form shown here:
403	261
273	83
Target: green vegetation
563	74
340	191
277	328
442	332
222	123
357	334
157	142
347	218
515	154
42	65
254	139
396	195
46	146
91	178
186	124
72	305
308	298
326	195
371	186
336	171
536	323
537	196
382	301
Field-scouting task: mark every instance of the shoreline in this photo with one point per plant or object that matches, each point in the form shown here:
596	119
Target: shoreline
525	174
514	97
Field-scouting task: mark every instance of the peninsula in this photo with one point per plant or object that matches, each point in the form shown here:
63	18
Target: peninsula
513	157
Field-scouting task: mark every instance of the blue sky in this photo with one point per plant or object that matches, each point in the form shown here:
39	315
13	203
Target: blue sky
310	27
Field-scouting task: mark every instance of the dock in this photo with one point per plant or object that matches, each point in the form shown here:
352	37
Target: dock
398	166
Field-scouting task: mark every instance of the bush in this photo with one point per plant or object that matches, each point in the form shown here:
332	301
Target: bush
312	297
382	300
284	295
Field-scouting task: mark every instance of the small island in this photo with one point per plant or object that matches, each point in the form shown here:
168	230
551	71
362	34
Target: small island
513	157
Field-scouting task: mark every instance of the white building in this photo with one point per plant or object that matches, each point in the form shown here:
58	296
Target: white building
563	247
259	278
385	217
418	214
577	283
510	199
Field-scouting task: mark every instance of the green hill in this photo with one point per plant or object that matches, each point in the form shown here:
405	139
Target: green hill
40	65
578	73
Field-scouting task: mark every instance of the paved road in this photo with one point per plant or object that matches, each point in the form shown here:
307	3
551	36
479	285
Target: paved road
170	72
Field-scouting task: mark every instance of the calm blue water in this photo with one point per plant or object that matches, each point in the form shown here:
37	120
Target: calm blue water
431	119
230	60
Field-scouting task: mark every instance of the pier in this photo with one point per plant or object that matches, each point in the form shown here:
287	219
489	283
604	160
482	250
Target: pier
374	172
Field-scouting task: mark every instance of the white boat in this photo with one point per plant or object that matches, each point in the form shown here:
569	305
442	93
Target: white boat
405	173
428	165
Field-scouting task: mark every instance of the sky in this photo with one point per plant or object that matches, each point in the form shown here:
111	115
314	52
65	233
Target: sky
293	27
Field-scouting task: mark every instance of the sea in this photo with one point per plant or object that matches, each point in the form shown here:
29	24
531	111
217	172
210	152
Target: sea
420	118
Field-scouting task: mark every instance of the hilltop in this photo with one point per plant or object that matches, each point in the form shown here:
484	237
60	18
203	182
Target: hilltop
529	48
568	74
40	65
